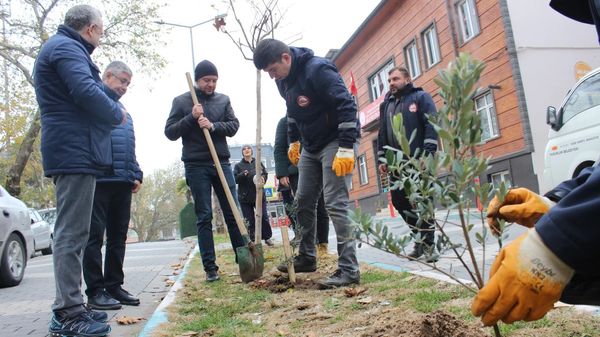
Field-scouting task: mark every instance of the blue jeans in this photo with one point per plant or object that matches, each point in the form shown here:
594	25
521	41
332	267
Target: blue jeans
200	179
316	175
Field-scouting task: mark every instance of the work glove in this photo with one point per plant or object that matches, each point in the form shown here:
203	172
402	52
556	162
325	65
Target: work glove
520	205
343	163
294	153
525	281
258	180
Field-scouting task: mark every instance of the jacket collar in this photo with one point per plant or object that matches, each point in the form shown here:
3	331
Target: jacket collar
73	34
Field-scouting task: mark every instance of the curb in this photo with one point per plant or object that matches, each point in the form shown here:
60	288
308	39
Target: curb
160	313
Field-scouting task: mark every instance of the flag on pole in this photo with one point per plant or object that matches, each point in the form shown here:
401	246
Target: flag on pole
353	89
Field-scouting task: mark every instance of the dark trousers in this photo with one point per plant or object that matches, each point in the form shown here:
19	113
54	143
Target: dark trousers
111	213
403	206
200	179
248	212
322	216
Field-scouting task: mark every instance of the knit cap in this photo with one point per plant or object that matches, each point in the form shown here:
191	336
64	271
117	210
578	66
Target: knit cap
205	68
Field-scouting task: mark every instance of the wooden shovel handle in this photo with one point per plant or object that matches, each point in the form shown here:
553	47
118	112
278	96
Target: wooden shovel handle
213	154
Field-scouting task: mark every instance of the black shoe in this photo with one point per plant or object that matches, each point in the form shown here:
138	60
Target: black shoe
81	326
212	276
302	264
123	296
103	301
269	242
416	253
340	279
98	316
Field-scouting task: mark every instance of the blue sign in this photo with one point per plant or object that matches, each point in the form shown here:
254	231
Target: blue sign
268	192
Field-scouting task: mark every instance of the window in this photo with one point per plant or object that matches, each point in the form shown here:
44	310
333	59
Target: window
362	170
484	106
467	19
411	55
379	81
431	47
499	177
584	97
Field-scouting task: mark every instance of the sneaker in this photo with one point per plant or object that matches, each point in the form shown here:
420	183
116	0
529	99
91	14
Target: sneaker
212	276
340	279
103	301
269	242
302	264
123	296
416	253
81	326
98	316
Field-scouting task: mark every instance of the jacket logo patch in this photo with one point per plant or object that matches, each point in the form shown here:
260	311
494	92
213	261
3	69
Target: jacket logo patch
303	101
412	107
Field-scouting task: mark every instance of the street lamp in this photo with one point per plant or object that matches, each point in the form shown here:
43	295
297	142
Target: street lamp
218	20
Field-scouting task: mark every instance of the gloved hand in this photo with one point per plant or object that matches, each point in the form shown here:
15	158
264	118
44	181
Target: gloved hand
520	205
294	153
258	180
343	163
525	281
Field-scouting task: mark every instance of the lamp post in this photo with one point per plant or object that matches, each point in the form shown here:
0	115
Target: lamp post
218	22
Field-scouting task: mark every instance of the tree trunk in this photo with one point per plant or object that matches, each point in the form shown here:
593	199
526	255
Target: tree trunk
218	214
257	164
13	178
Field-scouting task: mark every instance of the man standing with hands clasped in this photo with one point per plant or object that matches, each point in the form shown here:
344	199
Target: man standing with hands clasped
322	113
186	121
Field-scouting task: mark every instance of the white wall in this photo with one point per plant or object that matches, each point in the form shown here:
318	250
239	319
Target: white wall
548	46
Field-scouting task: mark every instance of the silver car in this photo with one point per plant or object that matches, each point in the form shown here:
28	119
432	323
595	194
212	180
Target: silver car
42	233
16	239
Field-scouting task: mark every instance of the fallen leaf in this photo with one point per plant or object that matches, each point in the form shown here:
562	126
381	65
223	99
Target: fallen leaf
175	272
352	292
170	282
128	320
176	266
189	334
365	300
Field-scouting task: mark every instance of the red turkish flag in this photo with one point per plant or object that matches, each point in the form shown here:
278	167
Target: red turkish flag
353	89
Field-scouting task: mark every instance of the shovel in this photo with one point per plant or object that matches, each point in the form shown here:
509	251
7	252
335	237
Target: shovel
249	256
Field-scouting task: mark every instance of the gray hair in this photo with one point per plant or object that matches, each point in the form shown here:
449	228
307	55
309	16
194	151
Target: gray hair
117	67
80	16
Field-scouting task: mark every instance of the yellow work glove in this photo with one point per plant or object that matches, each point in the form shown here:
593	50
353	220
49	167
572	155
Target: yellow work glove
294	153
343	163
520	205
525	281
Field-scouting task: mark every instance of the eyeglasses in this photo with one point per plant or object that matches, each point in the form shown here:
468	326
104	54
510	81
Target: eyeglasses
124	81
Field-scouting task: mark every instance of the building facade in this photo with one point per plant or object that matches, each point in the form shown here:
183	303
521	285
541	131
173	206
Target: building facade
424	37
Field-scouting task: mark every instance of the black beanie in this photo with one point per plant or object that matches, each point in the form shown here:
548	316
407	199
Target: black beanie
205	68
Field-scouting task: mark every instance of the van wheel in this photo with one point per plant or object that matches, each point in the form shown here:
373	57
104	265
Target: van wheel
14	260
48	250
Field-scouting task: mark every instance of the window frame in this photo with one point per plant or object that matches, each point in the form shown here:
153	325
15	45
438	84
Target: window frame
495	133
362	164
426	48
409	65
501	174
383	72
473	19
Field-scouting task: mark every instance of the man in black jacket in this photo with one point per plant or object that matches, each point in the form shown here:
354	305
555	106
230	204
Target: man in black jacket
244	173
415	105
186	121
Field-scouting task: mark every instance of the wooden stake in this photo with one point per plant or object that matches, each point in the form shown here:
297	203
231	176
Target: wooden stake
287	250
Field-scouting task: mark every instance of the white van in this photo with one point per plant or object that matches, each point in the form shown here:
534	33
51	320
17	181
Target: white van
574	138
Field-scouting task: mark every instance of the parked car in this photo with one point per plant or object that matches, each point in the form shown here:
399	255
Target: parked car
16	239
42	233
574	138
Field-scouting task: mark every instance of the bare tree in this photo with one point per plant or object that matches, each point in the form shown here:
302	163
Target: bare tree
130	35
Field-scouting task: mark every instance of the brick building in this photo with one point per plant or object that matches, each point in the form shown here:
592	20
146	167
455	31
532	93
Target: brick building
424	36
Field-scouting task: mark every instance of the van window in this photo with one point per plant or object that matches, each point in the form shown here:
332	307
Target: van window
585	96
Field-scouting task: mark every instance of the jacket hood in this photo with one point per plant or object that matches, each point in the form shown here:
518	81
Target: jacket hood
300	56
73	34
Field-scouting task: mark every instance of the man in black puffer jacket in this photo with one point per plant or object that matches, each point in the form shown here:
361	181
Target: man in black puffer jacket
415	105
186	121
112	207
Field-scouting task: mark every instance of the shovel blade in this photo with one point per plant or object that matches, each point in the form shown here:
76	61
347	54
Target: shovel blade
250	261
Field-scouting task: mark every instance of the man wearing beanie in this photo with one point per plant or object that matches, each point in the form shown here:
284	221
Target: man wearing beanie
186	121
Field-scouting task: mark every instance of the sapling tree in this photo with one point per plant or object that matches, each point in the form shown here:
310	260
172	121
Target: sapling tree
448	180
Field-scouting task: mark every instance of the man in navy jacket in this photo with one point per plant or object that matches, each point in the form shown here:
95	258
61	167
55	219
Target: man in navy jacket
77	117
322	113
112	207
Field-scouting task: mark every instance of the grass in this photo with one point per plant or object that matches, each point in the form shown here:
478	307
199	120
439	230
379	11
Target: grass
231	308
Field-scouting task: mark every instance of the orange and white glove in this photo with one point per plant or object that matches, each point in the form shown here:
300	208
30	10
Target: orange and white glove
525	281
294	153
343	163
521	206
